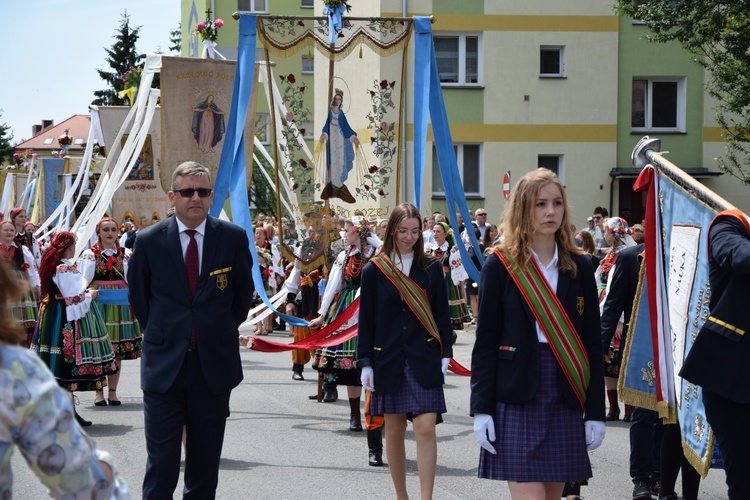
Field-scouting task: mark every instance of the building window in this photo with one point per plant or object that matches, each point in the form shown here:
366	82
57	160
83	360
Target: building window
307	4
658	104
308	64
459	59
469	160
78	141
551	61
262	128
257	6
48	140
556	163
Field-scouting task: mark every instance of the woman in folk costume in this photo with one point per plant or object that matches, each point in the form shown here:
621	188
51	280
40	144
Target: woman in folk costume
337	363
71	337
21	262
405	344
618	237
24	237
104	267
454	273
536	373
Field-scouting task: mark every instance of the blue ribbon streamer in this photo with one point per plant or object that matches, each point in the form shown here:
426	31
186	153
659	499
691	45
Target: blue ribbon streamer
427	83
334	21
30	194
230	176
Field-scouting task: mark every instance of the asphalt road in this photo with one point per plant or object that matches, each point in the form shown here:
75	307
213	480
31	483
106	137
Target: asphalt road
280	445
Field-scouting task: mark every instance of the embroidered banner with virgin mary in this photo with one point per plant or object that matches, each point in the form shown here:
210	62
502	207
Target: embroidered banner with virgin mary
354	116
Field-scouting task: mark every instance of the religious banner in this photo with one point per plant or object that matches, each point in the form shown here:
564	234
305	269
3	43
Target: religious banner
355	123
143	197
196	95
671	316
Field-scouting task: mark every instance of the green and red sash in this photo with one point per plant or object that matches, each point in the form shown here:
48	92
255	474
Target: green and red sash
412	293
554	321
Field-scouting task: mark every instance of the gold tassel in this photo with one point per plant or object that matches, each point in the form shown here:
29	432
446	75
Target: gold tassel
309	54
360	51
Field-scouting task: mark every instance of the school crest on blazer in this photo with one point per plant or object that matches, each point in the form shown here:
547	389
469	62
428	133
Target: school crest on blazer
222	277
579	305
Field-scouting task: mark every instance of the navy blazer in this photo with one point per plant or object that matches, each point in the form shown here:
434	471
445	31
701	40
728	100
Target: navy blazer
511	375
162	302
390	333
719	359
621	294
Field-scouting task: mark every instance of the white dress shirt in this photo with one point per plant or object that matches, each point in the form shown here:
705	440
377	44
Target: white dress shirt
551	273
200	233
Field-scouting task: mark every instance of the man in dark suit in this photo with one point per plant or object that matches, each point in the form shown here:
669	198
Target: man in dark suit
190	288
719	360
646	429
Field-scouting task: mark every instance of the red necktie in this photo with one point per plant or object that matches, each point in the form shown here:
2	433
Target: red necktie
191	265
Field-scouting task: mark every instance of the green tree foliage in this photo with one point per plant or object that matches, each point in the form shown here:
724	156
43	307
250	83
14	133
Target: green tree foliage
175	39
6	148
262	195
120	57
717	34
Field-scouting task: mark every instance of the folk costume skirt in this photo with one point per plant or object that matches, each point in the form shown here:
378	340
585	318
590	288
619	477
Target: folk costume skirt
122	327
539	441
337	362
78	353
411	398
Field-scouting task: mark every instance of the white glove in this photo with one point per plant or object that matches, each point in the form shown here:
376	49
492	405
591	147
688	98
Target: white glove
444	366
484	427
594	431
367	377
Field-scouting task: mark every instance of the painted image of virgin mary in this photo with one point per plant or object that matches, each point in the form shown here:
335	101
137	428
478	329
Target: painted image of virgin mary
340	140
208	124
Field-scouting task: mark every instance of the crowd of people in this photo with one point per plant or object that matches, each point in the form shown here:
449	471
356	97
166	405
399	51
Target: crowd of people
551	308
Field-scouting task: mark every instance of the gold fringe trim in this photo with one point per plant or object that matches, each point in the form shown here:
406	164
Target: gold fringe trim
340	53
319	162
702	465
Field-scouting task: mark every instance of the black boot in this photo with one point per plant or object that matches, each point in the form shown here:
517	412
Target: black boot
330	392
355	417
375	447
297	372
614	407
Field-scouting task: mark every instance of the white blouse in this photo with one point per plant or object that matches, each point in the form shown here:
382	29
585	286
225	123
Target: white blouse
72	286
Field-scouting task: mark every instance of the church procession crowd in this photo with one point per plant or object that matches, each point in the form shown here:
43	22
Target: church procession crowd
550	314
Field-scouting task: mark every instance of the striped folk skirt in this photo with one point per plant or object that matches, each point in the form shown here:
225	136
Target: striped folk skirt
459	310
78	353
337	362
122	327
411	398
539	441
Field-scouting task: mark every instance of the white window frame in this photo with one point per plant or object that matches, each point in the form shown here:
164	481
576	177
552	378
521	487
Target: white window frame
258	117
681	104
560	164
252	6
462	58
310	61
48	140
561	54
459	149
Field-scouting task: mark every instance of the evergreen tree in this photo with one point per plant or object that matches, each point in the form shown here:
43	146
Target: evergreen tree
120	57
6	149
175	38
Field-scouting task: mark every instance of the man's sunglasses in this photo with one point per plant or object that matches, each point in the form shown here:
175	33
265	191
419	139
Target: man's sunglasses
189	192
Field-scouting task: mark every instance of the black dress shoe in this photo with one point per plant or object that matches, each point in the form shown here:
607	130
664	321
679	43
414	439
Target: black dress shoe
298	376
313	396
355	425
641	490
114	402
375	458
81	421
103	402
611	417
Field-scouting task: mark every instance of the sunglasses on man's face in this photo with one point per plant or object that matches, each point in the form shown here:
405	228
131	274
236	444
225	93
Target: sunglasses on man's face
189	192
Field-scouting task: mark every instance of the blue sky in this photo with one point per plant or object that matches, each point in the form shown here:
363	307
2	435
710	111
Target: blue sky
53	48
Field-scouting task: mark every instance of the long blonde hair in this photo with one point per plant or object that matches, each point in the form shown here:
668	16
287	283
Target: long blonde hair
10	290
519	227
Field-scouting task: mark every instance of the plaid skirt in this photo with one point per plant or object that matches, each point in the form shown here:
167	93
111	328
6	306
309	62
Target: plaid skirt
539	441
411	399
